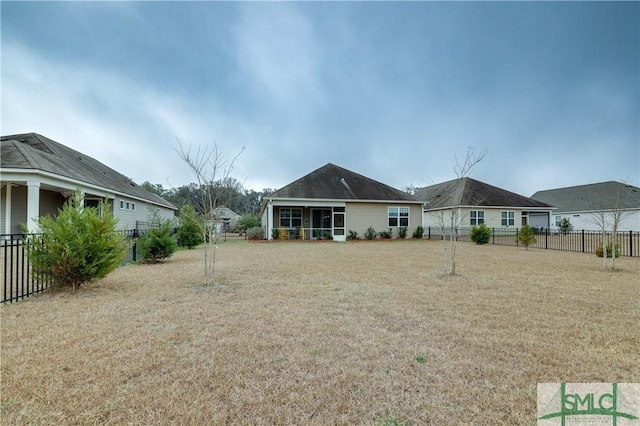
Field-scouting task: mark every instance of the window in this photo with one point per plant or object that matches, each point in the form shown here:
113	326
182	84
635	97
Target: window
128	205
398	216
121	204
133	207
558	220
290	218
508	218
476	217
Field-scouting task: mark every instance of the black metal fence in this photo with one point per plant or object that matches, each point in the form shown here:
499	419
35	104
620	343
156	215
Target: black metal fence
18	278
577	241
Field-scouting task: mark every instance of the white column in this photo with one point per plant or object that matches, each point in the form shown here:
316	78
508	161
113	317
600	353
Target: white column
7	209
33	205
269	220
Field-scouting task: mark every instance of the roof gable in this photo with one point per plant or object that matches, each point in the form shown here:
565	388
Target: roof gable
592	197
470	192
36	152
331	182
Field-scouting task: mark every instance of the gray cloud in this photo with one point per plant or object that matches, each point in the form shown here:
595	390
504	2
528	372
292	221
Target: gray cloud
392	91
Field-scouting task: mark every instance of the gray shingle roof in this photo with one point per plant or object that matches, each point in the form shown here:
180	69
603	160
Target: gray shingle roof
473	193
36	152
592	197
331	182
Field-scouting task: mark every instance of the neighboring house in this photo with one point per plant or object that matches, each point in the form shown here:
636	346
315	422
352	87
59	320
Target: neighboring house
226	218
472	203
583	205
37	176
330	201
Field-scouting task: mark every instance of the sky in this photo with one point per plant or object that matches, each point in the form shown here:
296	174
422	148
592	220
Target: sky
397	92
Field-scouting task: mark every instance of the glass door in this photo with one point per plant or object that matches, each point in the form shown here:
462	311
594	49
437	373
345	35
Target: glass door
320	224
339	233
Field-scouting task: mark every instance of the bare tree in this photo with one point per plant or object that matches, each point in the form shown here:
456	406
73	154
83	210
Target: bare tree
450	220
208	166
600	220
611	219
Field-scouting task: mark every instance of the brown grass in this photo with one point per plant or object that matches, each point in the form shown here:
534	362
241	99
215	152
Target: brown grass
322	333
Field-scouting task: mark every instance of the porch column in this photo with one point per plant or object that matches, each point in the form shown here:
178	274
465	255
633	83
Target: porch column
33	205
269	220
7	209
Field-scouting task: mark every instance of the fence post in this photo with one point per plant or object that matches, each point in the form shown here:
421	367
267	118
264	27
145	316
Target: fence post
583	240
546	239
630	243
493	235
135	250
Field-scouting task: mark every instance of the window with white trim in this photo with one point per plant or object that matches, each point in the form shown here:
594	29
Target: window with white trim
507	218
476	217
133	207
290	218
128	205
121	204
398	216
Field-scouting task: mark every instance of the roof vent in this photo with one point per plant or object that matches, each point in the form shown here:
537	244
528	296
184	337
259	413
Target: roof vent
344	182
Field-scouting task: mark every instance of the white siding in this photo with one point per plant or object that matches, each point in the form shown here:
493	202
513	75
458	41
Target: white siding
589	221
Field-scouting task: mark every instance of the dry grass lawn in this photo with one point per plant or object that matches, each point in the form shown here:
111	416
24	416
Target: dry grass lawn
322	333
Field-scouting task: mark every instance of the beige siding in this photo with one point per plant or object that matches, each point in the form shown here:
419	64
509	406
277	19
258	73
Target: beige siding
50	202
18	208
127	218
492	217
360	216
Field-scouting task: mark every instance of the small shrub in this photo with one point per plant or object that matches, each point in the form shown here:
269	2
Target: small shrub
189	232
247	222
420	359
353	235
157	243
402	232
565	226
419	232
526	237
609	250
255	233
480	234
322	235
79	245
275	233
386	234
370	233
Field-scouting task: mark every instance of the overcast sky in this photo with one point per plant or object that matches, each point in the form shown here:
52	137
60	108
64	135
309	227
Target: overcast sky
393	91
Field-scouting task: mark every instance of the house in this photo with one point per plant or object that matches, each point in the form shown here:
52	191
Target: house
226	218
585	205
471	202
37	176
330	201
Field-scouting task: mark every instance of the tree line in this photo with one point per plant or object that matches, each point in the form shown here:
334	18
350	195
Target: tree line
229	192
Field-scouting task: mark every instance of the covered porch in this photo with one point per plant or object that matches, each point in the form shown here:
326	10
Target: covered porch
309	221
23	201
